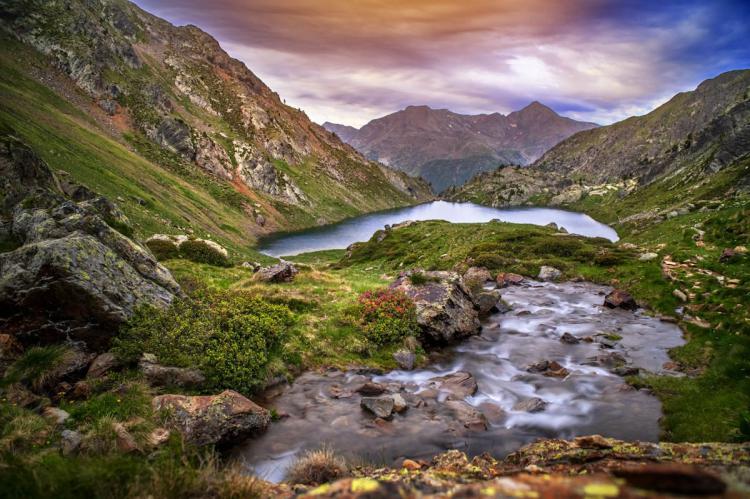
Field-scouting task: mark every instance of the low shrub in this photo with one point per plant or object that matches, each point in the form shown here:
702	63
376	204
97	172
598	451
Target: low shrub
388	316
230	336
35	366
316	467
200	252
163	250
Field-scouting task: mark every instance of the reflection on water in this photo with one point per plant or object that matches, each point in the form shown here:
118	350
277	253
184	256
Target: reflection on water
342	234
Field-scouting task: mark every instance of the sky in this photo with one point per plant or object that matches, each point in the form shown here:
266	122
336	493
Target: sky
350	61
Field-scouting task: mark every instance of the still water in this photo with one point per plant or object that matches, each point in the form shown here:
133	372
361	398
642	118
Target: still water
342	234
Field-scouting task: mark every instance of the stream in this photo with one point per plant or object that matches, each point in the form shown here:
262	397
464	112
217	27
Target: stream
511	407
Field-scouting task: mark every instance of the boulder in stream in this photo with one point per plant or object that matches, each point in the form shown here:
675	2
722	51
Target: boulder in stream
458	385
381	407
534	404
620	299
505	279
547	273
445	307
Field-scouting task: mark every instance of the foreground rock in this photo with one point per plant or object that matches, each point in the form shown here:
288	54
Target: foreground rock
281	272
505	279
445	309
547	273
213	419
590	466
458	385
620	299
73	275
381	407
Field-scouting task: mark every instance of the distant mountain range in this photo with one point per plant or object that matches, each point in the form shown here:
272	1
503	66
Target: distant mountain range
448	148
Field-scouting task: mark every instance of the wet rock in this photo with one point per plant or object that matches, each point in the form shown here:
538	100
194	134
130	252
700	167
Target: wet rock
102	364
459	385
281	272
445	310
467	415
399	403
608	359
381	407
70	442
487	302
547	273
534	404
371	389
626	371
159	375
569	339
505	279
538	367
548	368
337	392
213	419
405	359
620	299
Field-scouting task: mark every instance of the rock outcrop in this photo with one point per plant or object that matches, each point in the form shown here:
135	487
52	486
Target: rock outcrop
445	309
213	419
75	274
281	272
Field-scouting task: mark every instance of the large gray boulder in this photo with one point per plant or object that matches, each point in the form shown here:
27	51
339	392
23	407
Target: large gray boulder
213	419
445	308
281	272
73	275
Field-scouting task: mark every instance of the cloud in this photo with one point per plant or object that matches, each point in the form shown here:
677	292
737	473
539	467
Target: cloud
351	61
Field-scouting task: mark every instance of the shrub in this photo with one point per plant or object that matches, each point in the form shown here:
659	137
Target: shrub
388	316
163	250
606	258
230	336
419	278
35	366
200	252
317	467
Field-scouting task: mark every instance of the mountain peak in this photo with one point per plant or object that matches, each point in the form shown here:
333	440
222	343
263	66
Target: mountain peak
536	106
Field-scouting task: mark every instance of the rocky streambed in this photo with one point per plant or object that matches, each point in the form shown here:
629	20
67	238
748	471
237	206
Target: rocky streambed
551	367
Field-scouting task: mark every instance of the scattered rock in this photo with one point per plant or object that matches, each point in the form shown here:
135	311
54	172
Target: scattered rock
459	385
405	359
445	309
505	279
70	442
371	389
620	299
382	407
158	437
547	273
647	257
534	404
159	375
55	415
548	368
102	364
467	415
487	302
281	272
680	295
213	419
254	266
399	403
569	339
81	390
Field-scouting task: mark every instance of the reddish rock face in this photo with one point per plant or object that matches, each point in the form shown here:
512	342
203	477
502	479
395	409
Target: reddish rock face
213	419
505	279
620	299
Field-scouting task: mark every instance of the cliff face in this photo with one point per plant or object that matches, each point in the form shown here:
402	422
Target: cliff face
447	148
176	88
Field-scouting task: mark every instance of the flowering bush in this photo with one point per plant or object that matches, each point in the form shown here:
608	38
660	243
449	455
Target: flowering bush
387	316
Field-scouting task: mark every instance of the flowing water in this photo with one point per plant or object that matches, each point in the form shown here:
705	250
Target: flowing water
342	234
321	408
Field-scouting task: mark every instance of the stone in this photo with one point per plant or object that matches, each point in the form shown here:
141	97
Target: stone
569	339
399	403
70	442
487	302
476	277
458	385
404	359
620	299
647	257
159	375
281	272
411	465
102	364
555	370
680	295
158	437
466	415
213	419
727	255
534	404
74	276
445	308
81	390
55	415
593	442
371	389
254	266
547	273
381	407
505	279
125	441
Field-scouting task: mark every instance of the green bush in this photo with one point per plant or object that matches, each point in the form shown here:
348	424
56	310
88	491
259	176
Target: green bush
387	316
200	252
163	250
230	336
